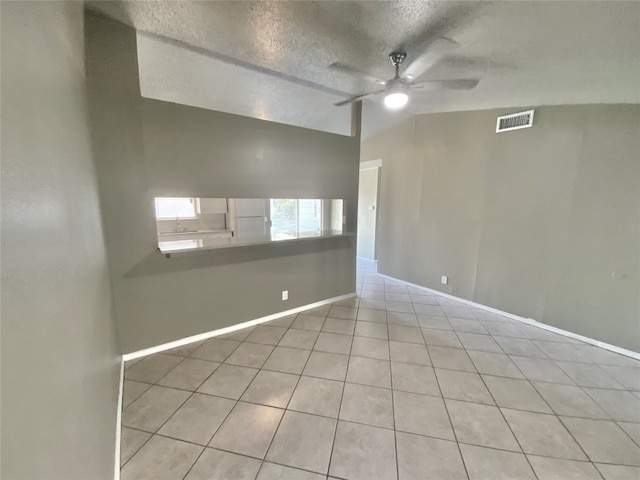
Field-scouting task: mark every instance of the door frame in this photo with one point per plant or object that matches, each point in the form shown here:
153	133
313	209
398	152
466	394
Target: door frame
370	165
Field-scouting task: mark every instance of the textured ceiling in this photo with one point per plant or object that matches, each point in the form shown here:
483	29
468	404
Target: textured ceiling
271	59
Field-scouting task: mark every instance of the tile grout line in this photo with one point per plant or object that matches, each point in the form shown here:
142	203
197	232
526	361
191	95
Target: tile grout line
598	470
344	384
393	405
207	444
510	429
609	418
578	443
509	425
236	400
164	423
416	434
138	449
180	406
221	423
152	385
455	435
590	365
275	432
386	388
617	422
394	390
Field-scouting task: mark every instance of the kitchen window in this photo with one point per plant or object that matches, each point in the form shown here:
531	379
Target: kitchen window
170	208
291	217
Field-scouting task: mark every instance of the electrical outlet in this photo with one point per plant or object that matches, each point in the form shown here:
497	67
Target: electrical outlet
285	295
444	280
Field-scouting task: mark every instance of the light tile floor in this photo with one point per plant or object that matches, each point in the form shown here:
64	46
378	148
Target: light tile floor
396	383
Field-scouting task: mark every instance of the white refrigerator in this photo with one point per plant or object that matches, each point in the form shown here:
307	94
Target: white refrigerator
251	218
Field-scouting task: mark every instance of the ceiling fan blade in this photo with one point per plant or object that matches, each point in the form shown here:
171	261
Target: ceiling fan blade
458	62
428	46
451	84
460	84
431	56
351	70
357	97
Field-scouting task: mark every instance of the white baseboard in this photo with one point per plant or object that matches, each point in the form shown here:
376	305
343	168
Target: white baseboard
116	468
196	338
232	328
529	321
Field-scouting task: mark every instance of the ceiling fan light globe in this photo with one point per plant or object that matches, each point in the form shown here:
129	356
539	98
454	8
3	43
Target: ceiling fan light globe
396	100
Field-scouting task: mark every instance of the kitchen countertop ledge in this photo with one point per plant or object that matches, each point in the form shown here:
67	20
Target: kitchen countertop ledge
209	245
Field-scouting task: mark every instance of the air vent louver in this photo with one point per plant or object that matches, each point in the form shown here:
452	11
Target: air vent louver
515	121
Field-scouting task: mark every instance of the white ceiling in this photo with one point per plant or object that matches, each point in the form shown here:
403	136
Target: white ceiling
271	60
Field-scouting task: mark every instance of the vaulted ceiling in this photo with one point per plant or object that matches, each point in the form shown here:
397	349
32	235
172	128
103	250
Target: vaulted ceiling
273	60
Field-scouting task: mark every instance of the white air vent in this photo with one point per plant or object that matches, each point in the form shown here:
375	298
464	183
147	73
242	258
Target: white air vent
514	121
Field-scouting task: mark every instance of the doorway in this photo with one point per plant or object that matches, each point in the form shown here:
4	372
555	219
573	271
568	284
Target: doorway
368	209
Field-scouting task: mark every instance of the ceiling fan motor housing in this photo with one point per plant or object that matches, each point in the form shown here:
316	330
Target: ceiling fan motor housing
397	58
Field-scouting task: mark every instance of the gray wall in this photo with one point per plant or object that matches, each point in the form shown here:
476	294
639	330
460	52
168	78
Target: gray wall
148	148
60	362
533	222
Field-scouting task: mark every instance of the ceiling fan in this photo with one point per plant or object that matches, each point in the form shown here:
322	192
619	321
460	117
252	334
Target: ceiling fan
397	88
